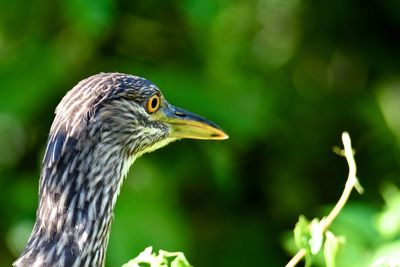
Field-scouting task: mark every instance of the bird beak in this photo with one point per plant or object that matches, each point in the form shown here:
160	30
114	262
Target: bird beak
184	124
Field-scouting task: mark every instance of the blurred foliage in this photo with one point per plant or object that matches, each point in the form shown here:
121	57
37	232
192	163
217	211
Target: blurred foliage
148	258
370	236
283	78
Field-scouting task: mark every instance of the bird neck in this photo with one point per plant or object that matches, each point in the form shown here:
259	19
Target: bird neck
78	189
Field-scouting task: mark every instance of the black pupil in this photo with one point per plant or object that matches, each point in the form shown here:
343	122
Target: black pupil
154	103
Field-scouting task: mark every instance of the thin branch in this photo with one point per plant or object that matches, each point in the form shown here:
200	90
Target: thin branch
352	182
297	258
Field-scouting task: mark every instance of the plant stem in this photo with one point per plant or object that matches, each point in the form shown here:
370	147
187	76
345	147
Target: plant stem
296	258
352	182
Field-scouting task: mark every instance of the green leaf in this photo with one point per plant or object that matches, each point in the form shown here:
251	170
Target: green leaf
302	236
316	231
302	233
308	235
180	261
147	258
331	247
388	221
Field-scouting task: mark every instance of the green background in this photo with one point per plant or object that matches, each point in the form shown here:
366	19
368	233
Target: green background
284	78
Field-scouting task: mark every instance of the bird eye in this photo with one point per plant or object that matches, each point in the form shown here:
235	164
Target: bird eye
153	103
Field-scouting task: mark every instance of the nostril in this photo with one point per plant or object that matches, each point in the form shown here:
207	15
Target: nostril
180	114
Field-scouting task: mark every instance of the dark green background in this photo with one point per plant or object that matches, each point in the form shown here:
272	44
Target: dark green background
283	77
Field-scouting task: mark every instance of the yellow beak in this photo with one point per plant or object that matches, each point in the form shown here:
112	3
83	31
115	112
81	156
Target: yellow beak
184	124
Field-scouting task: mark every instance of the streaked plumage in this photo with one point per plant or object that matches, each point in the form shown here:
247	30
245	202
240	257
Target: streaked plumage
101	126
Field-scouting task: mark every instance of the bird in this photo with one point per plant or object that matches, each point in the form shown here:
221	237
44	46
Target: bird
101	126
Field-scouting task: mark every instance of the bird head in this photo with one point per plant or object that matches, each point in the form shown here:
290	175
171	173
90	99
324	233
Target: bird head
128	112
101	125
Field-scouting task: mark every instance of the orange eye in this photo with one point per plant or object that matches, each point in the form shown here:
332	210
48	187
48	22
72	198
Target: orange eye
153	103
